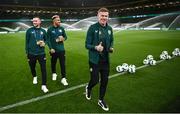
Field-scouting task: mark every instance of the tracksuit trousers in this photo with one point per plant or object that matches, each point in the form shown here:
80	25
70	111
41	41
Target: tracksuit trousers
32	59
95	69
61	56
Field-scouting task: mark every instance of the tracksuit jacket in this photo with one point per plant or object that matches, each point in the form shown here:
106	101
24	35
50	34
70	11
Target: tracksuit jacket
52	34
33	35
93	39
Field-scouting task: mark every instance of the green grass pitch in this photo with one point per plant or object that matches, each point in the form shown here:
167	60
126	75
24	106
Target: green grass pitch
151	89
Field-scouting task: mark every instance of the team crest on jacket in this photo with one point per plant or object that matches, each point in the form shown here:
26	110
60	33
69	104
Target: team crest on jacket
109	32
60	30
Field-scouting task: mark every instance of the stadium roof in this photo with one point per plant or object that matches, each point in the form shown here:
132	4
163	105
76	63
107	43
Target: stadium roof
84	8
71	3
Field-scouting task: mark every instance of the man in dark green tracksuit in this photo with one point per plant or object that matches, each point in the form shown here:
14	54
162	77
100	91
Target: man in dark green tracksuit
99	42
35	44
56	37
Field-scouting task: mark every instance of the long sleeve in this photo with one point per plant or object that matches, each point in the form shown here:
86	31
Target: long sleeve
49	39
27	42
112	39
64	34
45	36
89	39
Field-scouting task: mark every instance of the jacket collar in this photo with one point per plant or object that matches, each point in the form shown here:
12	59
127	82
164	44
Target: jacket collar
36	28
101	25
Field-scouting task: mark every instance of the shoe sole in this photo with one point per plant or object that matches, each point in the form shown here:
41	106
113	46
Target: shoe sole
86	94
54	78
35	83
88	98
45	91
103	108
64	84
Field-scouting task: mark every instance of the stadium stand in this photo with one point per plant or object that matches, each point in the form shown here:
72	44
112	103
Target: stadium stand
123	12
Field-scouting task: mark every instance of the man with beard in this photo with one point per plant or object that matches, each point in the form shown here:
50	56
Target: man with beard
56	37
35	45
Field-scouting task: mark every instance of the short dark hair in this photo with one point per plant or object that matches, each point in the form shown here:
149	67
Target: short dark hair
103	10
36	17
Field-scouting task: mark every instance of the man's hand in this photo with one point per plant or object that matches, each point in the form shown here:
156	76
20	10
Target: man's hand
60	39
99	47
111	50
57	40
41	43
52	51
38	42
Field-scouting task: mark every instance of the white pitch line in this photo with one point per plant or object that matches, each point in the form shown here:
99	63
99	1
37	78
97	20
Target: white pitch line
40	97
60	92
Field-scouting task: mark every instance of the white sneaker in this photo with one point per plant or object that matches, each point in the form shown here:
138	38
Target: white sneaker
103	105
54	76
35	80
44	88
88	93
64	81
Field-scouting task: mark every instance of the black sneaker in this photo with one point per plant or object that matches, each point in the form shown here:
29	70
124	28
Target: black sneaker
88	93
103	105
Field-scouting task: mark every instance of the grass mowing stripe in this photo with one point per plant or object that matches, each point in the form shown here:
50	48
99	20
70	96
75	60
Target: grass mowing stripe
61	91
